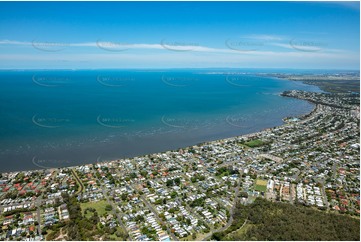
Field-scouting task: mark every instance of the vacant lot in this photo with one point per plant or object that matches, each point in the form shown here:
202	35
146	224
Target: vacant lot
99	206
261	185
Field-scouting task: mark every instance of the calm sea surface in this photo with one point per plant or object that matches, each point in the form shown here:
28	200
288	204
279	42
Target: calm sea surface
66	118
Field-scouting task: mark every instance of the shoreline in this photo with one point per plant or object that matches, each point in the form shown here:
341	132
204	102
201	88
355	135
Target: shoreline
81	140
301	118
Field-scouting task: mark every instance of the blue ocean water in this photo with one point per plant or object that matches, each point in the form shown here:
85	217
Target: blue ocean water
71	117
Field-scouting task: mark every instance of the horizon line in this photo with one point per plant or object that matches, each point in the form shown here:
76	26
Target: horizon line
180	68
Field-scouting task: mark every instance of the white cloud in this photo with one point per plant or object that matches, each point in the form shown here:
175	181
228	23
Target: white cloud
177	47
182	56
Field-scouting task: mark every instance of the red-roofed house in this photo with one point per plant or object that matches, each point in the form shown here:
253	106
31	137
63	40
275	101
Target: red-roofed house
32	228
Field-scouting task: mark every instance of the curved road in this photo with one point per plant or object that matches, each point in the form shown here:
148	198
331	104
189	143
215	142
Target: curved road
230	220
79	182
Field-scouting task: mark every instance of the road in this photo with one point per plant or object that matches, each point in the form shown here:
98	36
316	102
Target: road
174	238
231	213
191	210
104	190
78	181
295	176
38	214
245	222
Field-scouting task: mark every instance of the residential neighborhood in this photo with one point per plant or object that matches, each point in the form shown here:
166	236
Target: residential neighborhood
190	193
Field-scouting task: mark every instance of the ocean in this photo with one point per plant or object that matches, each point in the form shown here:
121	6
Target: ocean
71	117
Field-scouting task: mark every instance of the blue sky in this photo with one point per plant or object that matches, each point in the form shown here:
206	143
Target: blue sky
80	35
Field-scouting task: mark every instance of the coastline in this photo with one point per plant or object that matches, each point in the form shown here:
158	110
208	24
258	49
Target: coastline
80	139
295	163
247	135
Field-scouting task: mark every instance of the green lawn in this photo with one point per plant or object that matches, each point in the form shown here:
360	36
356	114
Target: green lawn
261	185
254	143
99	206
260	188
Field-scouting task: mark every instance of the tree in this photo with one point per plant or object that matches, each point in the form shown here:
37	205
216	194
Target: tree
243	194
144	173
170	182
283	221
162	216
159	201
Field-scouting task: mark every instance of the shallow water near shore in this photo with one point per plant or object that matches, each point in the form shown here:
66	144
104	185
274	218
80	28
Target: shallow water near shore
66	118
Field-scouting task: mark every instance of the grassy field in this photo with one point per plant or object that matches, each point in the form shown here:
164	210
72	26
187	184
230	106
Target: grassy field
239	233
254	143
99	206
261	185
115	237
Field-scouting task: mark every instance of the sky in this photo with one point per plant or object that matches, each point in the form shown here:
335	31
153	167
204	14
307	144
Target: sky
98	35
